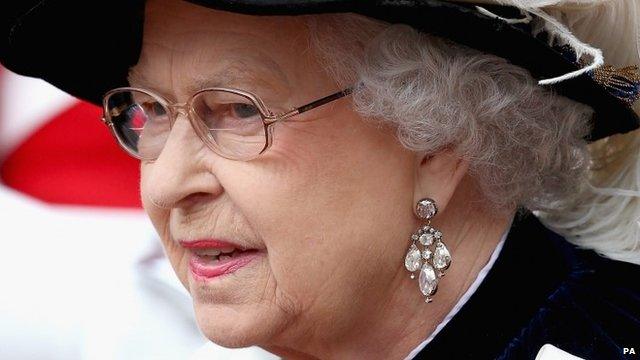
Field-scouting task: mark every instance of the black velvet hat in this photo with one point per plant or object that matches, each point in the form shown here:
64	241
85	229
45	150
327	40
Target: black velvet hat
86	48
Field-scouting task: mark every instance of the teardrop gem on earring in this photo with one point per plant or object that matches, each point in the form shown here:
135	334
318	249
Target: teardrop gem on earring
428	280
441	257
412	261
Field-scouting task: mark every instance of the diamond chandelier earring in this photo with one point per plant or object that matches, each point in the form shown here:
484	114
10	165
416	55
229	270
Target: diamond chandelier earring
434	258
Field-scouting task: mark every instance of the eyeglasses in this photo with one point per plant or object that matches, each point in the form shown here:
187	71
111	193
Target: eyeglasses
233	123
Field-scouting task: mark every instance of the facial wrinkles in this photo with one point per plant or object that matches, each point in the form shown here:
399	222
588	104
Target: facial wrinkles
243	74
234	62
298	169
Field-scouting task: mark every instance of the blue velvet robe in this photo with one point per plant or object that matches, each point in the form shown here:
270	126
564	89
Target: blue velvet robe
542	289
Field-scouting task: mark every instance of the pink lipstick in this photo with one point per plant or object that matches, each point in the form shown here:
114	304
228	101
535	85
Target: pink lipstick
212	258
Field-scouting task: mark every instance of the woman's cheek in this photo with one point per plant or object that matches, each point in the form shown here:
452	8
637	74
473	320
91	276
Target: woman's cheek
160	218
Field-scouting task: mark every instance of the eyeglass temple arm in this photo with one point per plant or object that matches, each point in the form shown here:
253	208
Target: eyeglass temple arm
317	103
325	100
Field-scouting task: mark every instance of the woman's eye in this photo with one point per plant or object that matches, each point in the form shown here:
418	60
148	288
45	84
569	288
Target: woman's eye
234	115
153	108
244	111
228	114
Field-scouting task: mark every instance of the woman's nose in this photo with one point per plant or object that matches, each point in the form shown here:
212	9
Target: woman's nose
182	169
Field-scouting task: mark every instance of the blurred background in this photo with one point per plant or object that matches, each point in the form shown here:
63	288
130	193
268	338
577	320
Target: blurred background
82	273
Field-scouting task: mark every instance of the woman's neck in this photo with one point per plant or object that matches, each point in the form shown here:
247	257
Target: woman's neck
471	239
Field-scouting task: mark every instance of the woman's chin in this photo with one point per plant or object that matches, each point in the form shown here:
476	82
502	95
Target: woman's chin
235	326
227	311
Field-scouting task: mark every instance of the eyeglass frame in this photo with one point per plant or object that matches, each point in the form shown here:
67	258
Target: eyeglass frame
186	108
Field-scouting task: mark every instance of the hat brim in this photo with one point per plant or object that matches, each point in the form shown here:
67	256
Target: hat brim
86	50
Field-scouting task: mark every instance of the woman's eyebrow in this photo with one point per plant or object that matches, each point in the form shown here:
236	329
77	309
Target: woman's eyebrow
137	78
237	75
216	79
241	65
263	73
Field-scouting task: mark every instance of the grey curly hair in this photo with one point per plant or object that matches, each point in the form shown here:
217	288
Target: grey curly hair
525	144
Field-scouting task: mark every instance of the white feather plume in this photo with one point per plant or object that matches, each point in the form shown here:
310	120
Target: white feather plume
607	217
606	30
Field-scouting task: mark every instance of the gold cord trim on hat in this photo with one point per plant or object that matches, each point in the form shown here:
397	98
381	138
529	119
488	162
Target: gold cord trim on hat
623	83
624	79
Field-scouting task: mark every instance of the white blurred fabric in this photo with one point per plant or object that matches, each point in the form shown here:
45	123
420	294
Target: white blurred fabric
27	103
550	352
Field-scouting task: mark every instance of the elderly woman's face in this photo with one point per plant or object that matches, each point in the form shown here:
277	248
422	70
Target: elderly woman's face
326	211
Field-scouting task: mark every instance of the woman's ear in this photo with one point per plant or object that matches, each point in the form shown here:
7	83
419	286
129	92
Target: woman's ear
438	175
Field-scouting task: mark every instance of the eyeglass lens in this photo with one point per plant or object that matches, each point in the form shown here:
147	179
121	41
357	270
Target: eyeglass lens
231	124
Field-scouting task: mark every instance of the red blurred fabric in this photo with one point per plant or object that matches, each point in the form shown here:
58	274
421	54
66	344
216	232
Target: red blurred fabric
73	159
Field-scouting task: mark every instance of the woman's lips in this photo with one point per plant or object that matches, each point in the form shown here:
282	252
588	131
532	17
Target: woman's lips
210	258
208	244
204	267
